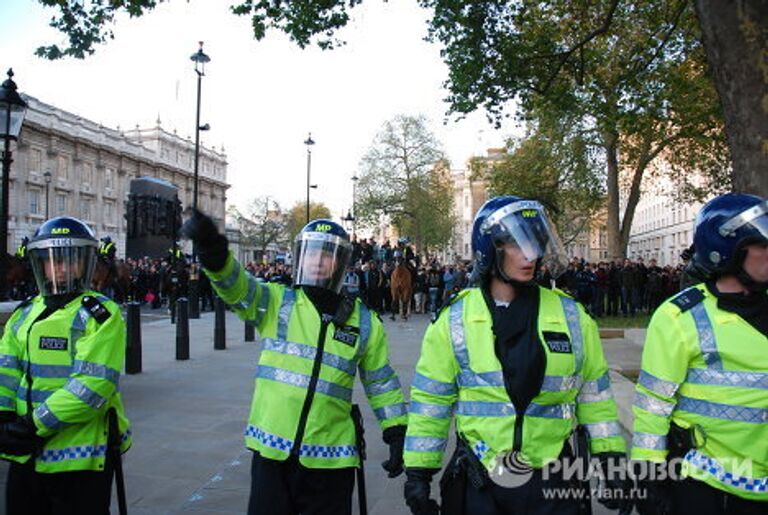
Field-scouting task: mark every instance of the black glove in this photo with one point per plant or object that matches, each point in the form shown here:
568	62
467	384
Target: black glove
654	495
211	245
417	491
395	438
615	480
19	437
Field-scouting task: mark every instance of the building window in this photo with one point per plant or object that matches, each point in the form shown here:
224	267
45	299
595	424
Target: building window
85	209
63	167
61	204
109	178
109	212
87	173
34	202
35	160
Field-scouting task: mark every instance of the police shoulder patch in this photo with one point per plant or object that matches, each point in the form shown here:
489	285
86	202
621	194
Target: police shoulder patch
687	299
96	309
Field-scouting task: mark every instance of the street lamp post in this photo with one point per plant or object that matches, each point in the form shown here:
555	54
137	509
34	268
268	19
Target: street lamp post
309	142
355	178
47	176
12	111
199	58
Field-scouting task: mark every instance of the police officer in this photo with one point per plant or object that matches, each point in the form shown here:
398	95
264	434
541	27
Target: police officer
21	250
60	360
107	249
702	394
300	429
519	366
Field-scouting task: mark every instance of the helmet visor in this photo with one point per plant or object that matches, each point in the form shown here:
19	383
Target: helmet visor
525	225
62	270
321	260
755	219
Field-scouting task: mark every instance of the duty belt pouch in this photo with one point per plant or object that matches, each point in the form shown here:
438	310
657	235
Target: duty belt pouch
453	485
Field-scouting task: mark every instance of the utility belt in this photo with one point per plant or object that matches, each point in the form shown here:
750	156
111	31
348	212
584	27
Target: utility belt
463	468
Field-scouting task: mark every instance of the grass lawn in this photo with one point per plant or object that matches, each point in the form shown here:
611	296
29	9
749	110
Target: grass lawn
640	320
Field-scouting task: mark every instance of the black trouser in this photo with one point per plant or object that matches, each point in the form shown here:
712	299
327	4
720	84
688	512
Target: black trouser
693	496
289	488
528	498
65	493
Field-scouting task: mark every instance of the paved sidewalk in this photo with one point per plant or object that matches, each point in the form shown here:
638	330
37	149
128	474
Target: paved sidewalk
188	418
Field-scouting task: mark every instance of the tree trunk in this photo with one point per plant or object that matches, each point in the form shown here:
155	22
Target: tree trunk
610	142
735	36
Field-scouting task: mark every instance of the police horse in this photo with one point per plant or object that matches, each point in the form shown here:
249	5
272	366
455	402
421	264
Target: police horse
401	287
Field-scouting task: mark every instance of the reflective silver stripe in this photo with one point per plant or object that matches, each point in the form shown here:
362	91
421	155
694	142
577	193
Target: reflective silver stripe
19	321
485	409
250	294
425	443
85	394
7	402
376	375
571	310
649	441
8	361
586	398
706	337
457	338
48	371
564	411
426	384
738	378
430	410
79	323
603	429
722	411
261	310
391	411
391	384
302	381
660	386
88	368
230	280
711	465
653	405
600	384
365	330
467	378
289	296
9	382
309	352
47	418
559	383
36	396
77	452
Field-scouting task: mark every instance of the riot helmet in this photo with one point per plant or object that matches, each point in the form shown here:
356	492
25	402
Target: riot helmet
322	251
521	222
724	227
62	253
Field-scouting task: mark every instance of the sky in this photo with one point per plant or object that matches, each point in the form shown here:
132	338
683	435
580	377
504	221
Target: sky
261	99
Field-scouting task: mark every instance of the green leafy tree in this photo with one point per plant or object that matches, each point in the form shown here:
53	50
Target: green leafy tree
296	218
262	223
405	180
554	164
613	57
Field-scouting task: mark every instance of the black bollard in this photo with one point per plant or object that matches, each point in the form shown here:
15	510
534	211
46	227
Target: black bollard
250	332
172	307
133	339
182	329
219	331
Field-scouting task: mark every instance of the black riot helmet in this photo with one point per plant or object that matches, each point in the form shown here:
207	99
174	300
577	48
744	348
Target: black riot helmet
63	254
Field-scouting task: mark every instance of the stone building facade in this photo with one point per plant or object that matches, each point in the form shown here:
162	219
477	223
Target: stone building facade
91	168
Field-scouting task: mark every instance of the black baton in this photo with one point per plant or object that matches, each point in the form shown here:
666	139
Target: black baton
114	449
357	419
